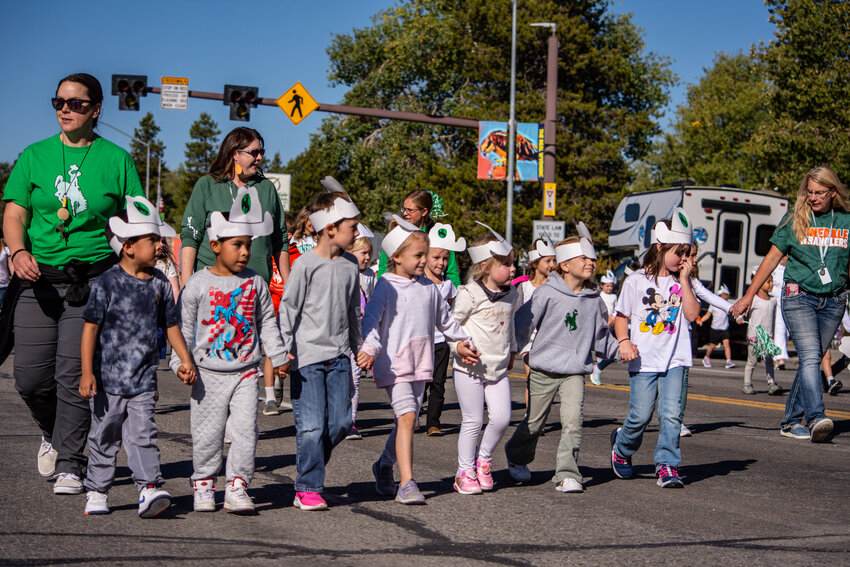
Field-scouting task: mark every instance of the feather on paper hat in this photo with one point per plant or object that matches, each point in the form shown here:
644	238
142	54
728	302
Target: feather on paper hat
608	277
443	236
723	289
246	217
341	209
542	248
397	235
680	231
364	231
498	247
141	220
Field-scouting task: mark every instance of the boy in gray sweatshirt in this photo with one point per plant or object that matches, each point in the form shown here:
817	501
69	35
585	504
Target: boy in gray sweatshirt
571	323
225	310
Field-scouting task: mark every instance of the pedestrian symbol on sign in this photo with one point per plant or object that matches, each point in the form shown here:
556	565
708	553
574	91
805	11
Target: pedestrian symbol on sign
296	99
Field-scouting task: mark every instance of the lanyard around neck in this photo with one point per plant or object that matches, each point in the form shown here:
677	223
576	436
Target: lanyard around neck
824	249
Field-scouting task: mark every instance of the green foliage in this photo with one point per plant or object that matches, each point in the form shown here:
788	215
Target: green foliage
147	132
452	58
201	148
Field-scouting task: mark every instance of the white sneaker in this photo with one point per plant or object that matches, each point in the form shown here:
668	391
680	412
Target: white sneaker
284	406
46	459
596	376
519	473
67	483
204	495
569	485
684	431
153	501
236	499
96	503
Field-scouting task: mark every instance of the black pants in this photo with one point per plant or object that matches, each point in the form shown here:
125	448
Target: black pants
47	371
436	391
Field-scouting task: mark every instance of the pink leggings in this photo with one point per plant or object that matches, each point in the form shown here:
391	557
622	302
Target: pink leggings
472	393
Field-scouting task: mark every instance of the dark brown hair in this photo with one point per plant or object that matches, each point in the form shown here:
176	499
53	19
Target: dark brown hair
95	91
238	139
324	201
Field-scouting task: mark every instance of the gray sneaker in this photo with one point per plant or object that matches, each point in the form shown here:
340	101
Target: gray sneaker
67	483
408	493
384	481
270	408
748	389
284	406
774	389
821	429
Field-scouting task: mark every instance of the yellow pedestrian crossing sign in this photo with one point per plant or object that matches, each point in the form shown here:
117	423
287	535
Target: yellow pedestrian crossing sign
297	103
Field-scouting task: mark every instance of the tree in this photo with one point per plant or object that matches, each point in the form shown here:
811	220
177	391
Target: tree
808	65
147	132
709	141
275	165
451	57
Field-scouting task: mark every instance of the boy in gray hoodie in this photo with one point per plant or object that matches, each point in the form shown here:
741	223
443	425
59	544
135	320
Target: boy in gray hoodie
571	323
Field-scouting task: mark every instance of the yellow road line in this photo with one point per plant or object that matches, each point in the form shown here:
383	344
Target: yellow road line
715	399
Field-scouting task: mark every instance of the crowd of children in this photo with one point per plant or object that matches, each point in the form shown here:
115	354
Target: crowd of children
337	321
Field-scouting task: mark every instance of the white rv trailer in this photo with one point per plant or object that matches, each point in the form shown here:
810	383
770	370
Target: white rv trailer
732	227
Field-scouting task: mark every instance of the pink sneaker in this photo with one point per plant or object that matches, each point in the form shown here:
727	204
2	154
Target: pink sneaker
467	483
309	501
482	470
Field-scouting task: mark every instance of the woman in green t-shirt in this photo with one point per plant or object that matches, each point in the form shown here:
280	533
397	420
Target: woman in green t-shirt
59	197
814	296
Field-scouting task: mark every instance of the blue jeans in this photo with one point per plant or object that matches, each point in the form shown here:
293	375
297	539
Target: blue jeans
644	389
812	322
321	403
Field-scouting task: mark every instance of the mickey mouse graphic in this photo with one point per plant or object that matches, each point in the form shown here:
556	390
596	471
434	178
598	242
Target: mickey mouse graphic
651	318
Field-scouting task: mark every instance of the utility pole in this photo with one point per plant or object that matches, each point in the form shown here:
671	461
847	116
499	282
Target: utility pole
551	114
509	220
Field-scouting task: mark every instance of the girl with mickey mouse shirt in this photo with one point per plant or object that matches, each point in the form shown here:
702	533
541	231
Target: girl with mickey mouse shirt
657	300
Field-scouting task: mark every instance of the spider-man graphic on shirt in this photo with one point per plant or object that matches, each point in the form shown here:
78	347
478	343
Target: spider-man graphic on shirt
232	316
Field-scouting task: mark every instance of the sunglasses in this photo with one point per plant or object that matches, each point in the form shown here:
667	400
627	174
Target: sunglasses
75	104
254	153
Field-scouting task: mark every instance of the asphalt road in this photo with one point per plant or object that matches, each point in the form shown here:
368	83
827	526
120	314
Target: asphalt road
752	497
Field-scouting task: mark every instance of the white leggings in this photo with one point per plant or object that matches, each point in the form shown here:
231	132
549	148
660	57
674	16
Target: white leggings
471	394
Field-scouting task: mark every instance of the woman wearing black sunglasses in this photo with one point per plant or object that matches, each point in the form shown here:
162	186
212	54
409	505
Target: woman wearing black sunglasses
58	198
237	164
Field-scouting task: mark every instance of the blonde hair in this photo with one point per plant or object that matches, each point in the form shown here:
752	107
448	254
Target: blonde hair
362	243
822	175
408	242
301	223
480	269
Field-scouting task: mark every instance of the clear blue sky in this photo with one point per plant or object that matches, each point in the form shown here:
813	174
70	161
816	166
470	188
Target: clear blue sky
269	44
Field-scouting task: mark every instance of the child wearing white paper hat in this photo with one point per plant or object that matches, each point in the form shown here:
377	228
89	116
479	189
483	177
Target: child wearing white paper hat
398	343
570	324
226	309
320	323
652	312
442	244
127	305
719	329
485	308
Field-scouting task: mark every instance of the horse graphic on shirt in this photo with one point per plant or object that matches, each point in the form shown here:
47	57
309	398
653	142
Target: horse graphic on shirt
71	190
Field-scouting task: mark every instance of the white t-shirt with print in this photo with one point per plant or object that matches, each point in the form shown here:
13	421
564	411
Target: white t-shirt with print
657	324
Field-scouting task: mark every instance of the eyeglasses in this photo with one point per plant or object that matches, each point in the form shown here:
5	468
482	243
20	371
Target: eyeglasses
405	210
75	104
254	153
818	194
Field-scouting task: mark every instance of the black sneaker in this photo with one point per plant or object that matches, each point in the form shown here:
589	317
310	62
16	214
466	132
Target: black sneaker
835	387
622	467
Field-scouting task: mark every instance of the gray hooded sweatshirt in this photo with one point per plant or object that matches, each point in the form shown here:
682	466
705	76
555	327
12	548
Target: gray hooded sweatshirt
570	327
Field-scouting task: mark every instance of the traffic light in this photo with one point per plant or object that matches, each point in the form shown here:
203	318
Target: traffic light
129	88
240	99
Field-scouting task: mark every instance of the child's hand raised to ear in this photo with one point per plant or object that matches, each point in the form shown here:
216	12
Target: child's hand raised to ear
468	353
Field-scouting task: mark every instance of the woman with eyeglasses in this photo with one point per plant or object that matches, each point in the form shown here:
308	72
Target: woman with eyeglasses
58	198
416	209
814	236
238	163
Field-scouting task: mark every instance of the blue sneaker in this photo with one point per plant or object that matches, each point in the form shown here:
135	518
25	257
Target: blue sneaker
622	467
668	477
384	481
796	431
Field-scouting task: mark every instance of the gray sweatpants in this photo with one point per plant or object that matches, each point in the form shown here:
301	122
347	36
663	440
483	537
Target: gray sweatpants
127	419
47	371
215	395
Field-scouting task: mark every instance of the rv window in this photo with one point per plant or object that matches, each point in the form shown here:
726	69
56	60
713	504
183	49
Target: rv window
733	232
632	212
763	234
647	234
729	276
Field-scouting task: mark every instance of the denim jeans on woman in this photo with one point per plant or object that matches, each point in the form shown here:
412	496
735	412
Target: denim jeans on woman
645	388
812	322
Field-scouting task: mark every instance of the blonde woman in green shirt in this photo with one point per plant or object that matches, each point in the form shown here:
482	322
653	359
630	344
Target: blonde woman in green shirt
58	198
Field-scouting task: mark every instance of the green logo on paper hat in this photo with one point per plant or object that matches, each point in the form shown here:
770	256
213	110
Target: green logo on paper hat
142	208
442	233
684	220
246	203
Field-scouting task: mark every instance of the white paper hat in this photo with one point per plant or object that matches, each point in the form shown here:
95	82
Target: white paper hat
723	289
331	185
542	248
142	219
680	231
341	209
397	235
364	231
246	217
443	236
566	252
499	247
609	277
584	233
